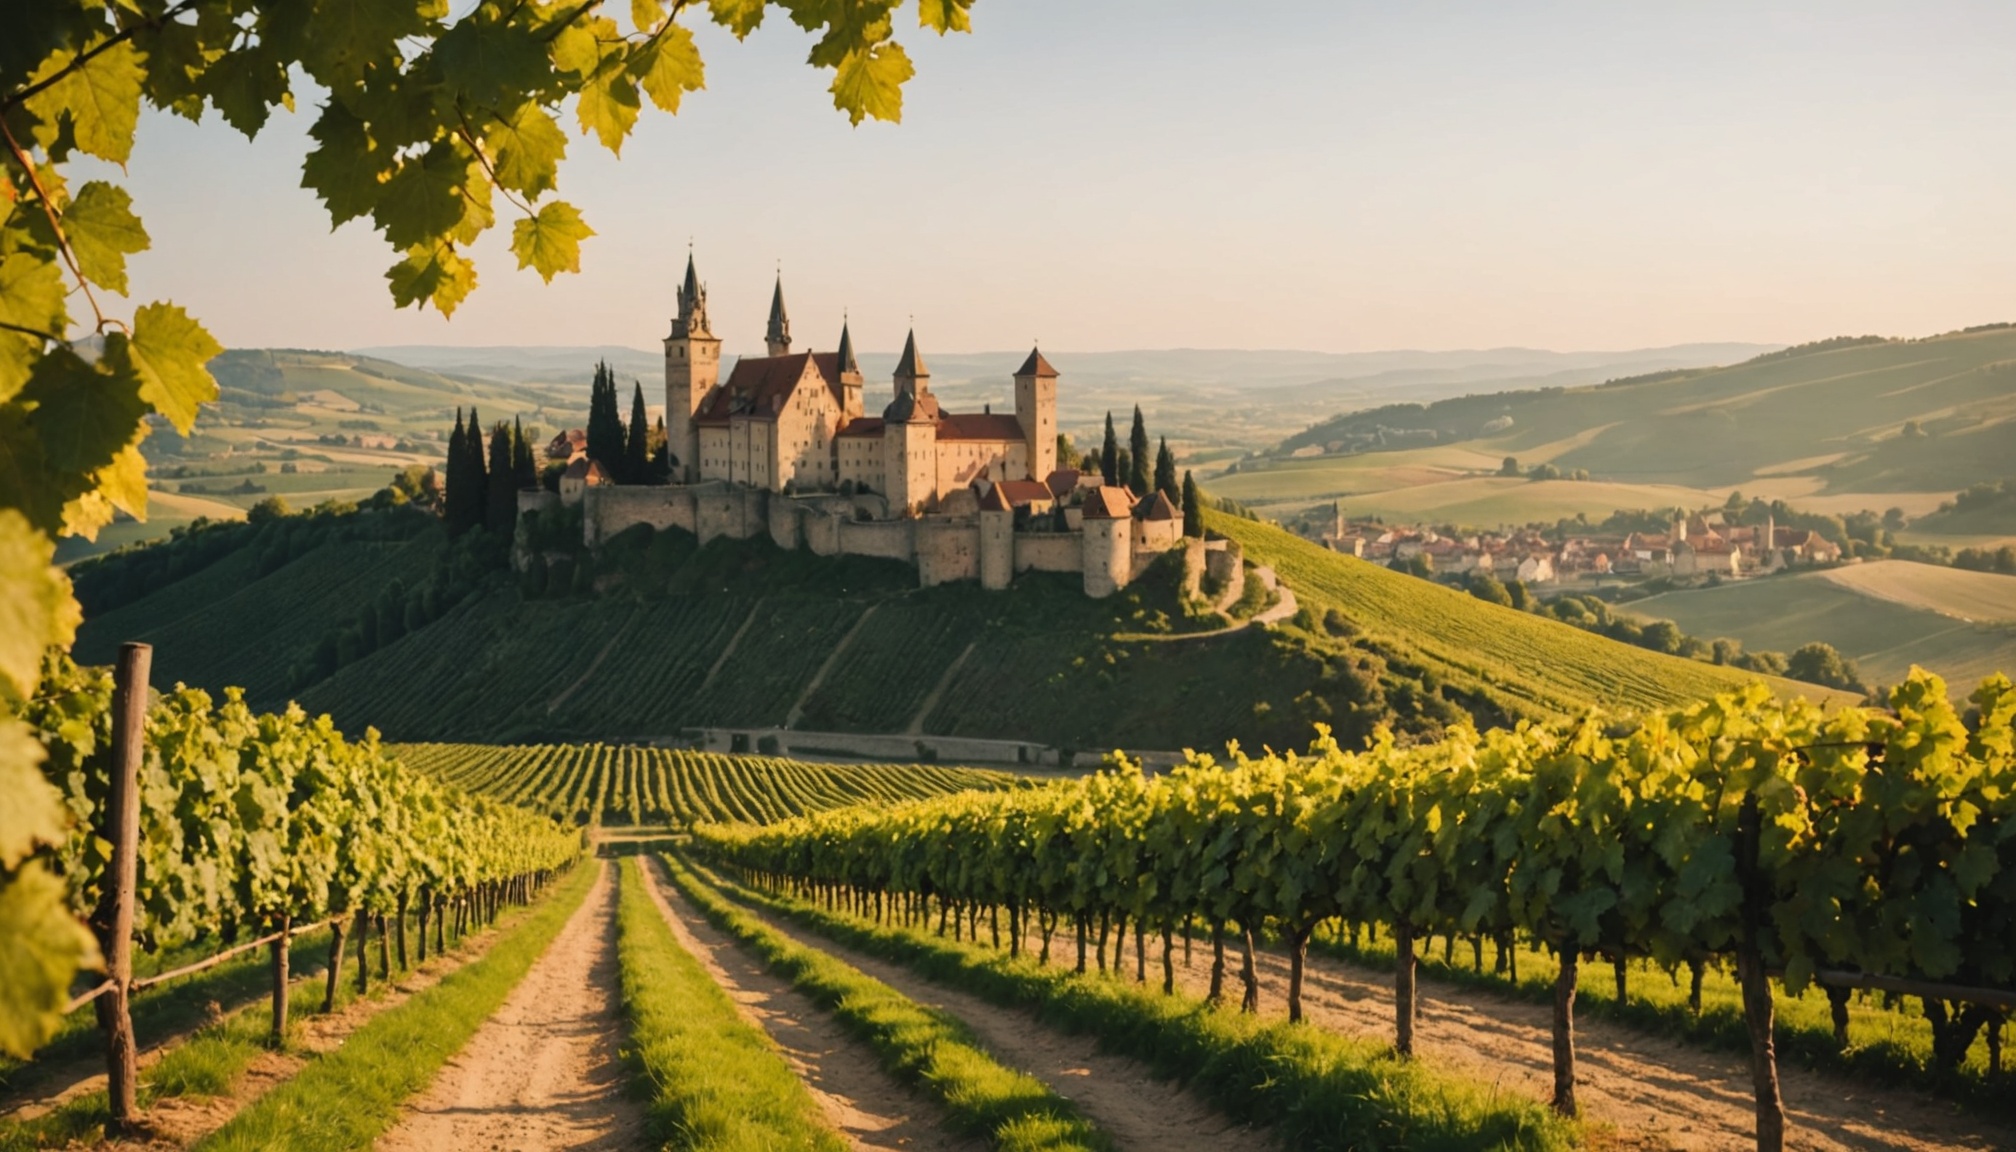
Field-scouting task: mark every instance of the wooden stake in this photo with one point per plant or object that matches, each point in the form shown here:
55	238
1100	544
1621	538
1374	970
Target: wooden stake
114	920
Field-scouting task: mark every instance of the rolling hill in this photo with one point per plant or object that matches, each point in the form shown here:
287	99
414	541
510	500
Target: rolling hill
742	634
1837	426
1886	615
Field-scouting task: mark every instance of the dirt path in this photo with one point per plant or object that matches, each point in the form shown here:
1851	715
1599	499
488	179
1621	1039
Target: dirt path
1656	1092
862	1101
542	1073
1115	1092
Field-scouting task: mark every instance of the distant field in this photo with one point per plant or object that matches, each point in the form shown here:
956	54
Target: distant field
1979	597
1885	636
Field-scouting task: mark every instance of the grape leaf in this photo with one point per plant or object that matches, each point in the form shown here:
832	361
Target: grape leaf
103	231
347	166
435	275
423	199
528	148
344	37
738	16
608	106
83	414
944	16
123	482
645	14
101	98
551	241
33	813
490	61
31	297
170	352
37	611
869	82
669	68
42	946
245	86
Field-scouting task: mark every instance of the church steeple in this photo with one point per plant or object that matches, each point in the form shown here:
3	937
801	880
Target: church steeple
778	338
692	319
847	361
910	369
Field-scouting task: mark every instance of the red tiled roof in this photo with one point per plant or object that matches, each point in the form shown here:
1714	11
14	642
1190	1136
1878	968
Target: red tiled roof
1108	502
586	470
759	386
978	426
994	501
862	426
1020	492
1156	507
1062	481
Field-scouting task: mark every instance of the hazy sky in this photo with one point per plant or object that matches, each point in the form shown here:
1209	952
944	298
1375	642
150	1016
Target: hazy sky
1343	176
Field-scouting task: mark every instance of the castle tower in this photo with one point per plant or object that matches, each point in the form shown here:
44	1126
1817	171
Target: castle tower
692	368
1036	411
910	437
850	377
997	541
1108	541
777	338
911	374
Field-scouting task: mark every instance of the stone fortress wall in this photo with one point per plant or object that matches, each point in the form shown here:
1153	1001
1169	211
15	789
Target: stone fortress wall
982	545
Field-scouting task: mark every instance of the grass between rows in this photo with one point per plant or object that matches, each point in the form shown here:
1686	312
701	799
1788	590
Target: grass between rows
1316	1089
714	1082
348	1097
917	1044
1886	1044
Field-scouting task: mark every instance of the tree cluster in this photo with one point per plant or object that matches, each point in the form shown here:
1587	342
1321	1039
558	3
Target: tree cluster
1141	468
483	480
629	453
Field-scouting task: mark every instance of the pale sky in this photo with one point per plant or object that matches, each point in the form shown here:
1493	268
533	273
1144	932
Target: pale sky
1315	174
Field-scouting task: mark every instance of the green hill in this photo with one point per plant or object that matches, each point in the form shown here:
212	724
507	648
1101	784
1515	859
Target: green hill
1863	416
1887	616
374	618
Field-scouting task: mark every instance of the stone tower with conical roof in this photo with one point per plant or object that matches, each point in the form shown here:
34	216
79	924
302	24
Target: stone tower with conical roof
1036	411
777	337
910	436
851	383
692	368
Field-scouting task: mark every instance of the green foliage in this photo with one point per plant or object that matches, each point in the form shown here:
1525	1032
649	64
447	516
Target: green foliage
1193	508
626	784
1137	476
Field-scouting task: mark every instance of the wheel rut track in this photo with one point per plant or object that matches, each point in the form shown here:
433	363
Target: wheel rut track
544	1072
866	1104
1115	1092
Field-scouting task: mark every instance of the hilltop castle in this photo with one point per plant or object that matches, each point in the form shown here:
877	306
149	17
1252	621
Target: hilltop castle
785	446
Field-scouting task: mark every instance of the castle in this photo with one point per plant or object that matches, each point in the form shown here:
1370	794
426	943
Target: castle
785	446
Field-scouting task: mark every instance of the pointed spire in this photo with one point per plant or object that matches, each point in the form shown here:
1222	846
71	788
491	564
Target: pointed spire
778	337
911	365
847	362
692	320
1035	365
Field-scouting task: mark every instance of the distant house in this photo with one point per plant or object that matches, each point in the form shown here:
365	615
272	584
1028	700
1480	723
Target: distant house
568	446
580	476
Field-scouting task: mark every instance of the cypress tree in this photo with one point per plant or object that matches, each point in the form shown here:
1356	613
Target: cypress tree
1193	508
524	468
1165	473
500	512
1109	455
661	454
478	470
637	451
1137	455
605	424
456	498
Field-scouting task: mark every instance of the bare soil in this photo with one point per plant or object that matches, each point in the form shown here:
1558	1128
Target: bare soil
544	1072
866	1104
1652	1091
1117	1093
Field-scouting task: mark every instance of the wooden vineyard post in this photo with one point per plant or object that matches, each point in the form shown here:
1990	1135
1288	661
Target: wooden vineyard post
1758	1010
281	946
114	919
1564	1030
1403	988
